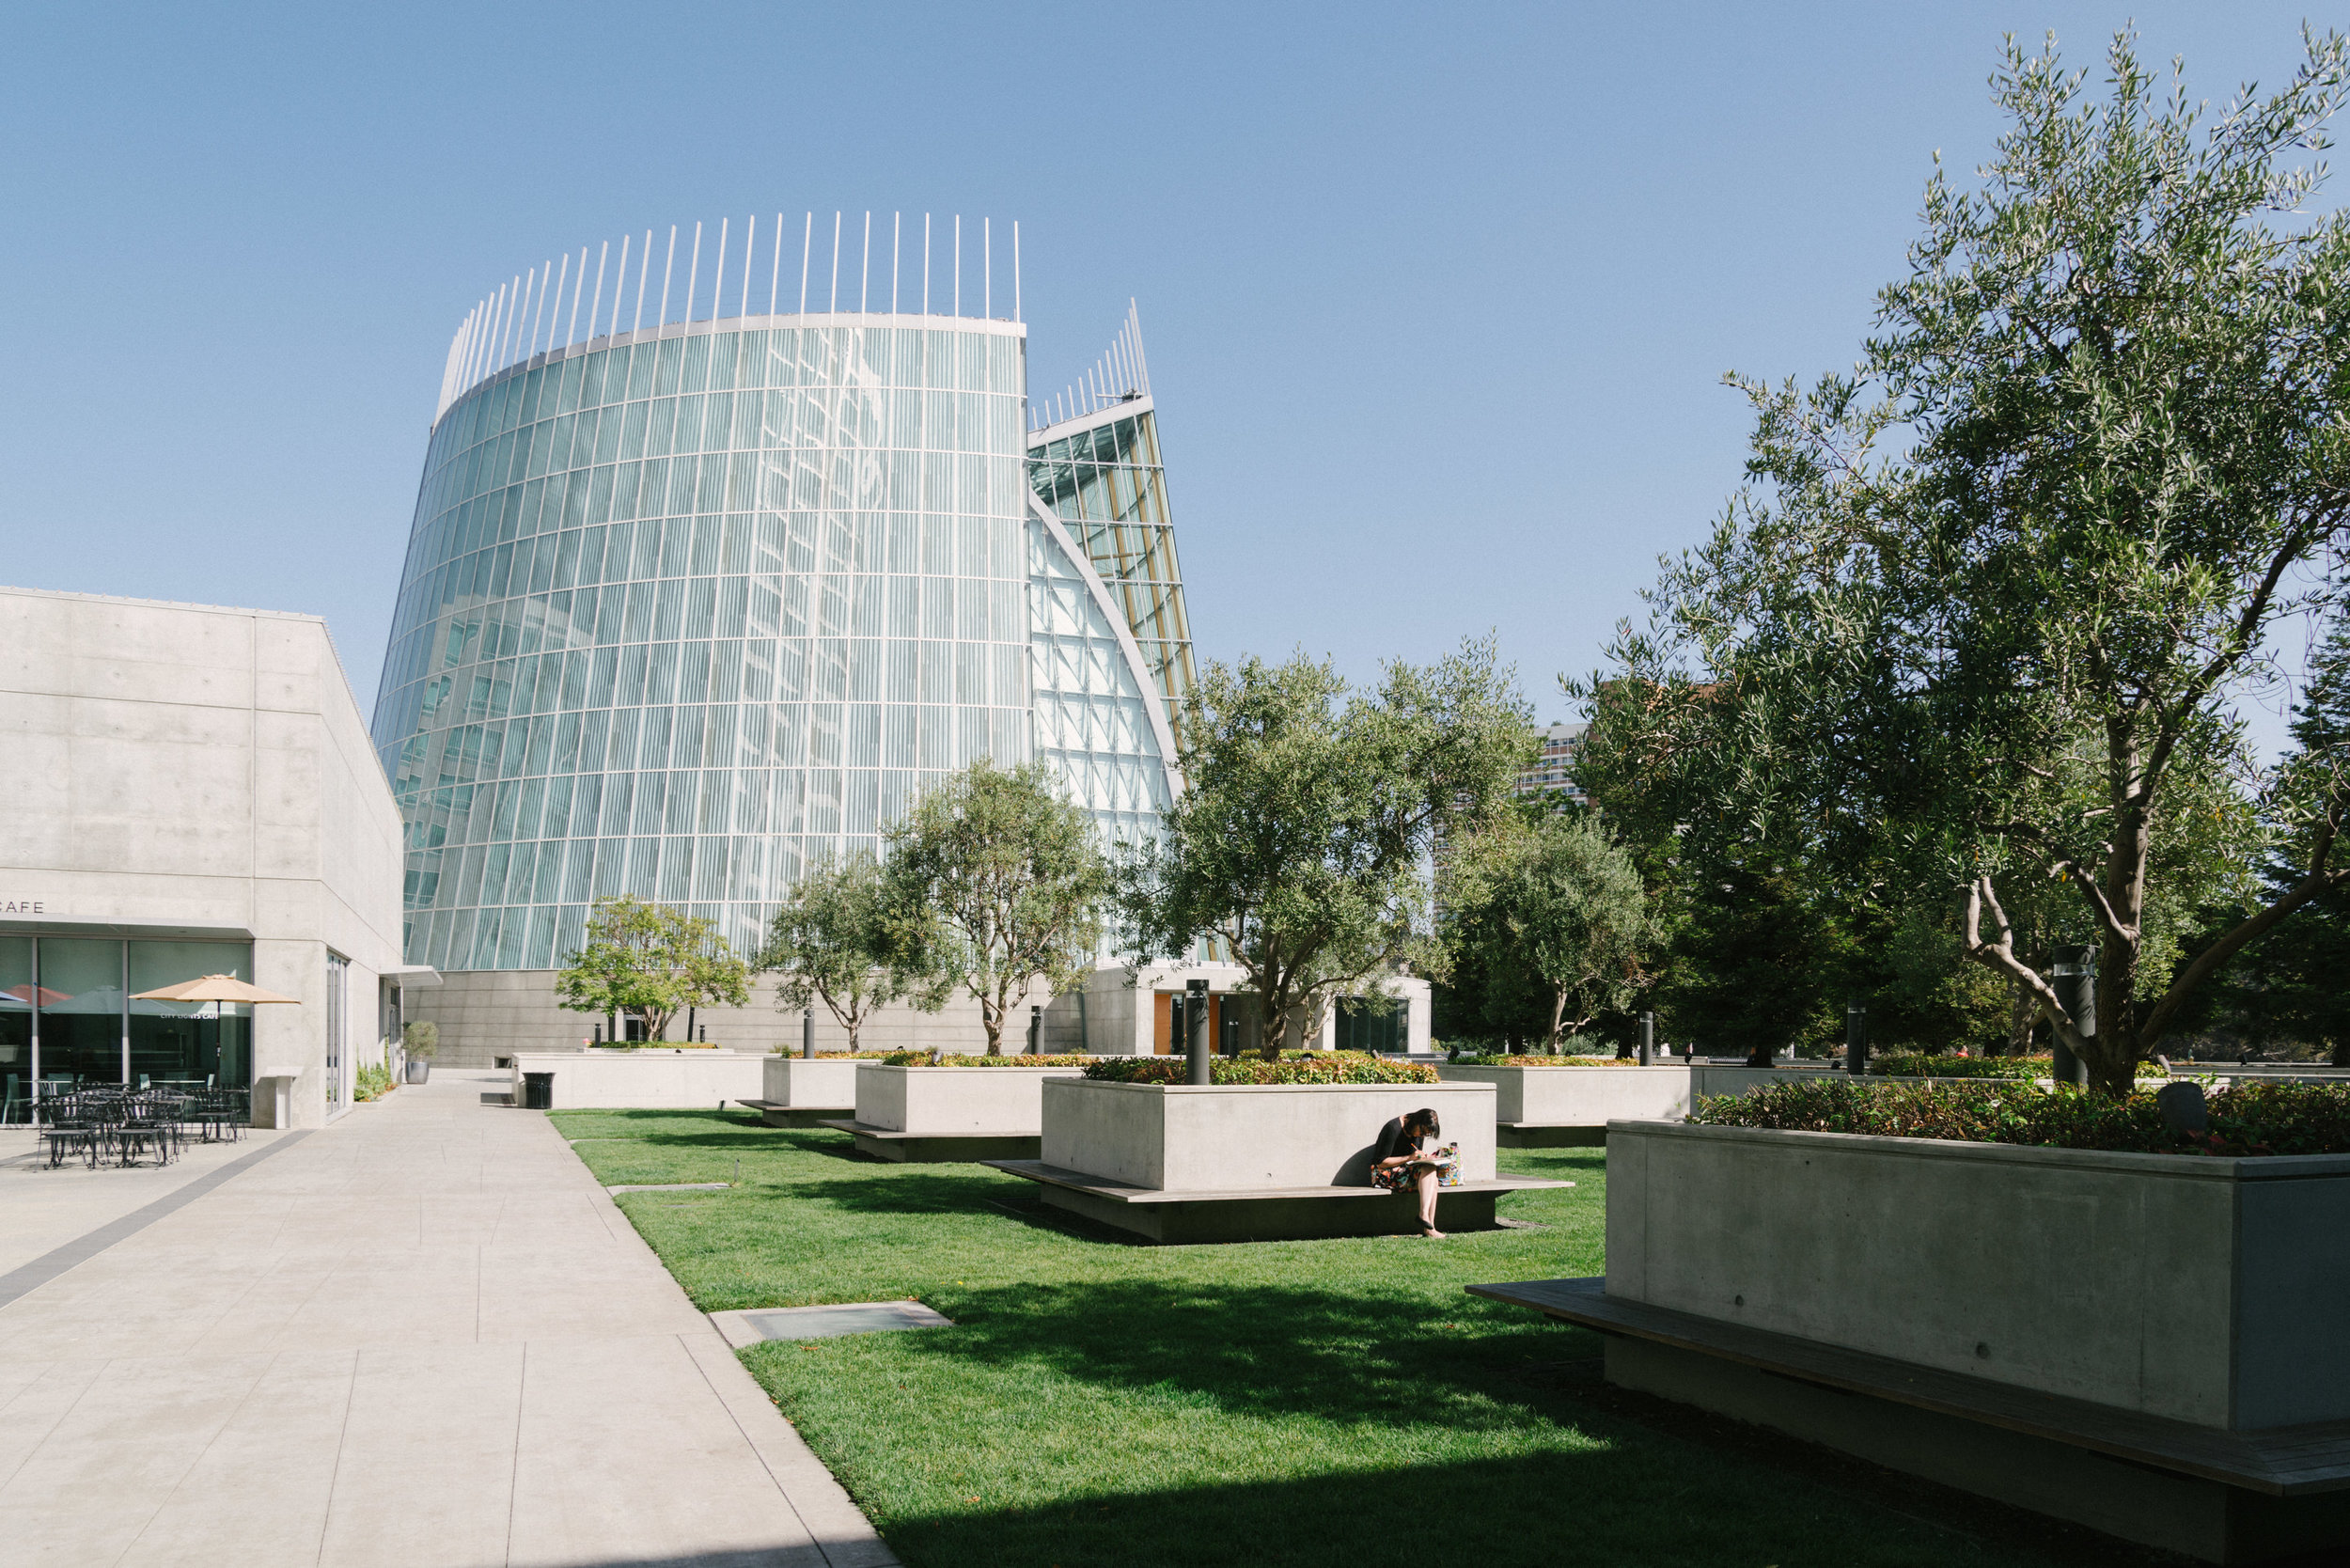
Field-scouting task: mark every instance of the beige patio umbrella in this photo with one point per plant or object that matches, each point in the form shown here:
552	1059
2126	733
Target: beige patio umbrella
212	988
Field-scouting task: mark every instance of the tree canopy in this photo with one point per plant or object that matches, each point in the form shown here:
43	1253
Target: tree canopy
1981	616
835	940
997	888
1547	901
1300	845
651	961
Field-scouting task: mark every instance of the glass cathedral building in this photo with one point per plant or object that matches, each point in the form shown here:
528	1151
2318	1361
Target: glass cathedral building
687	606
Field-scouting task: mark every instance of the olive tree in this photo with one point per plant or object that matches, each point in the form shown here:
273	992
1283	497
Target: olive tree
1986	608
1300	846
833	940
995	886
1555	899
651	961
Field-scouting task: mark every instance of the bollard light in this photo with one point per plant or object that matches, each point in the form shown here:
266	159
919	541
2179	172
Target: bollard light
2074	971
1855	1041
807	1032
1648	1039
1196	1028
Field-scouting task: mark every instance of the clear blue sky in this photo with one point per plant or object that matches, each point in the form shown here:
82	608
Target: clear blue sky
1436	298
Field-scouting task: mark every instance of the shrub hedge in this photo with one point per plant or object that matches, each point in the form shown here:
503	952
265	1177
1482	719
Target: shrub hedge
1319	1066
923	1058
1497	1058
1917	1064
2246	1119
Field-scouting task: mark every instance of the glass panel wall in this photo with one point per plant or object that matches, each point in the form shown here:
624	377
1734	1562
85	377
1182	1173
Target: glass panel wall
80	1012
67	1016
681	617
16	1027
190	1043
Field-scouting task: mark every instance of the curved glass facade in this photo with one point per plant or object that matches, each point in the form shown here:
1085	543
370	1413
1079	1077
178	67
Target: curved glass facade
686	608
1103	477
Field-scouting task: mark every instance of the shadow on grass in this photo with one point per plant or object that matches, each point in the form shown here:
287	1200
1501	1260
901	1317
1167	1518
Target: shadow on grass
685	1124
1626	1500
900	1189
1341	1355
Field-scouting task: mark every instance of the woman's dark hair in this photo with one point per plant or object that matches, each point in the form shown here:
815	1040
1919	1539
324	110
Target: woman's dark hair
1423	1122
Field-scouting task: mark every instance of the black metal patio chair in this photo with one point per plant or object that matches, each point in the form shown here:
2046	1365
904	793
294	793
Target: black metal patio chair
146	1122
67	1126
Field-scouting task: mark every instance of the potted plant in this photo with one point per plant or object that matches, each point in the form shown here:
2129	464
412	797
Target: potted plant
422	1038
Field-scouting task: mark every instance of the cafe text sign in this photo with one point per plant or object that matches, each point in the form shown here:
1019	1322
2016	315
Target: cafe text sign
21	907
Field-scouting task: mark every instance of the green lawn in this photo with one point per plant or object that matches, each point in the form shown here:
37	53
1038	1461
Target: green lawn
1337	1402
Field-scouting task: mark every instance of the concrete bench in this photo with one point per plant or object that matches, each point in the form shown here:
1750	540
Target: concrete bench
2227	1495
935	1148
775	1114
1266	1213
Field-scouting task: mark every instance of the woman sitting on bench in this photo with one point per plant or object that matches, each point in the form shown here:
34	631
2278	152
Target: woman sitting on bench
1399	1163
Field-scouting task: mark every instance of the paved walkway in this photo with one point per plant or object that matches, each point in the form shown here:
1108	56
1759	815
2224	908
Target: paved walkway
421	1337
41	1210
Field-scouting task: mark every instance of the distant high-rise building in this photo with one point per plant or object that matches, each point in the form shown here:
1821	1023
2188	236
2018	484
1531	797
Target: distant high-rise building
690	604
1552	773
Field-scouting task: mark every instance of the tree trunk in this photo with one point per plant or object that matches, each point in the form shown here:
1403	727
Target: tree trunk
2021	1017
1273	1024
2114	1051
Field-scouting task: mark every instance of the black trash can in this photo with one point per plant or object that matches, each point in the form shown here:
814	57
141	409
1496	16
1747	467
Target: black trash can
538	1092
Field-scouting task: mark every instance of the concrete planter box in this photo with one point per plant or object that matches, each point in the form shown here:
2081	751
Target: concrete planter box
651	1079
2147	1344
1253	1162
949	1113
802	1091
1708	1081
1549	1106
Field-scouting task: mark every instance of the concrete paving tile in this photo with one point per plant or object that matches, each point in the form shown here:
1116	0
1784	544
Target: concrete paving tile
337	1357
83	1493
624	1455
826	1510
426	1473
15	1377
432	1308
31	1414
256	1496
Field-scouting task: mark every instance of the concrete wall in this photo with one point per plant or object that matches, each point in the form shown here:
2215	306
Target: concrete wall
1178	1138
2179	1286
954	1099
1580	1096
812	1083
177	770
484	1014
1708	1081
683	1080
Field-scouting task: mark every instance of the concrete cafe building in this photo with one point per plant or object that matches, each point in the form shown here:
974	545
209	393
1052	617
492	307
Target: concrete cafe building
191	791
